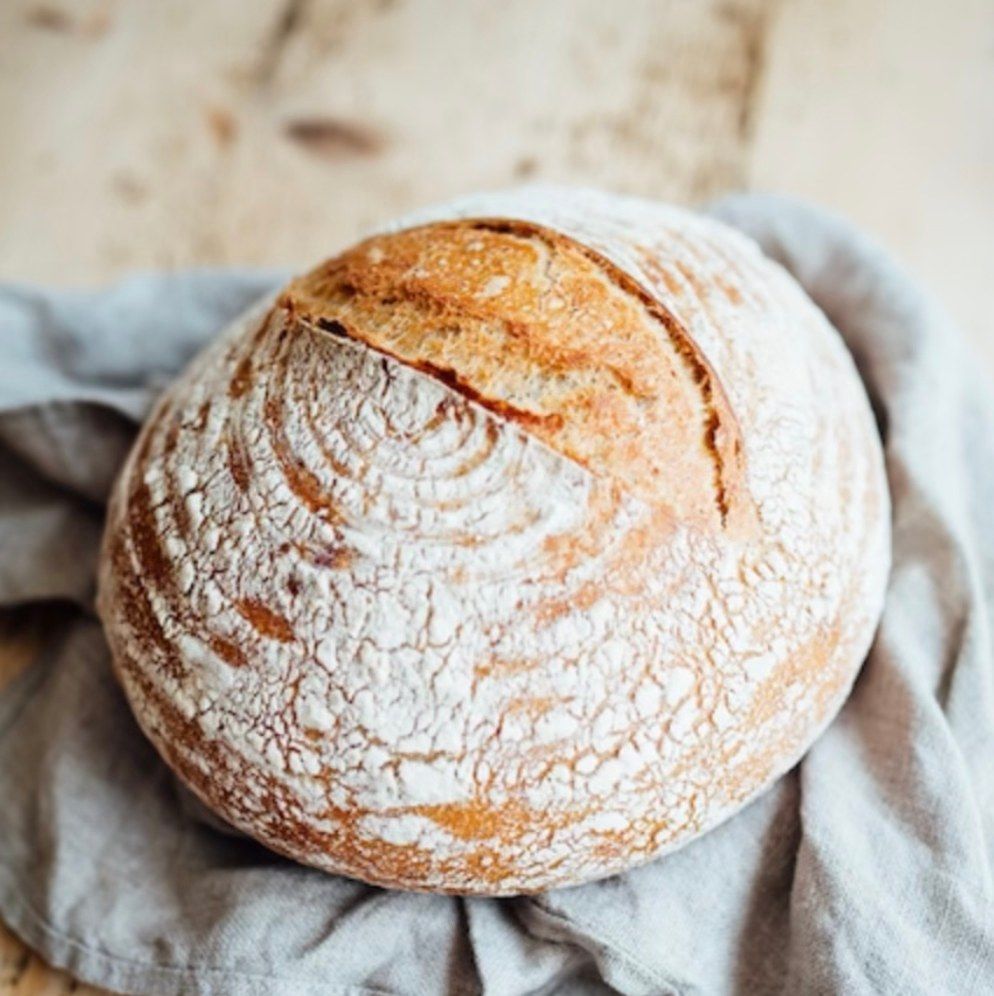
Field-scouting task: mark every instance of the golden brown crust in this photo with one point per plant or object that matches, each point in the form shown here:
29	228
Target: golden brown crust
498	555
550	334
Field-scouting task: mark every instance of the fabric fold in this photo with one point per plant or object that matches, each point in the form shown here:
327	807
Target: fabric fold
868	868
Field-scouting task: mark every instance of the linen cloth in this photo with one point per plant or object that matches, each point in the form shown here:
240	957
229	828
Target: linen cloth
865	869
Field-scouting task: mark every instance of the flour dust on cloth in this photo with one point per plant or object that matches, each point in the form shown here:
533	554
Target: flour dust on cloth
867	869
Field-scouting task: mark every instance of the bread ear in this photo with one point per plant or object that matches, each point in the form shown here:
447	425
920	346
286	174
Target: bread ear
550	334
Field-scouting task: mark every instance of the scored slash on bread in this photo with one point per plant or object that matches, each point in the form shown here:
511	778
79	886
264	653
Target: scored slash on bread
503	310
506	550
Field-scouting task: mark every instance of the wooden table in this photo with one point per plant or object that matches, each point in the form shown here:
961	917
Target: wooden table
177	132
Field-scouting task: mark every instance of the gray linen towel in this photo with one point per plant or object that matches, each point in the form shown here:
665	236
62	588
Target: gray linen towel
866	869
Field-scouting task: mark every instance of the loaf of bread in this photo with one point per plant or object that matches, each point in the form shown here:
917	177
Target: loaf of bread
514	546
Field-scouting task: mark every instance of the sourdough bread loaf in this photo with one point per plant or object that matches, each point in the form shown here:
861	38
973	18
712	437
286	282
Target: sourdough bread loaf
512	547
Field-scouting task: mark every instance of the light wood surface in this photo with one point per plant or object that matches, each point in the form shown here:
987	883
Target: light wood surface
178	132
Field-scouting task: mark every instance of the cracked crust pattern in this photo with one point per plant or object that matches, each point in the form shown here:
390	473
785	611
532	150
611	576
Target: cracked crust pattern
512	547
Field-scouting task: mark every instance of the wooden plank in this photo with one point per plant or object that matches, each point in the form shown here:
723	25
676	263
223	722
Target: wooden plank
884	111
179	133
23	973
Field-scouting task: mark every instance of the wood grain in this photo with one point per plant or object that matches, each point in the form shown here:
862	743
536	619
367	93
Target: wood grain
883	111
272	133
287	128
23	973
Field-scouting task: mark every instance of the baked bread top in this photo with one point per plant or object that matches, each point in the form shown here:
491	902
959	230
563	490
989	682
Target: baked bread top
511	547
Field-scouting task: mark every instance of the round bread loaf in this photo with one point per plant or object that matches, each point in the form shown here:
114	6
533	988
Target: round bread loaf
514	546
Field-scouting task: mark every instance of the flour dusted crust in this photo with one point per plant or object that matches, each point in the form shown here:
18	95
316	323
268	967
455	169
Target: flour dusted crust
513	547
